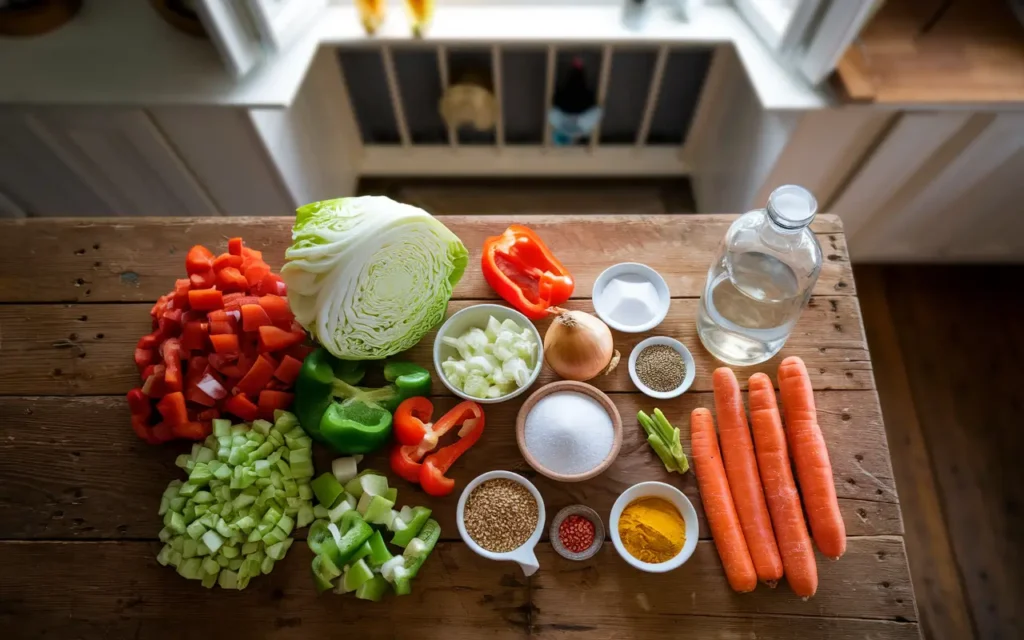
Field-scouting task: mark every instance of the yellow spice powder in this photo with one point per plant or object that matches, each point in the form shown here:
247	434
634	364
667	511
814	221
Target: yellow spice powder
652	530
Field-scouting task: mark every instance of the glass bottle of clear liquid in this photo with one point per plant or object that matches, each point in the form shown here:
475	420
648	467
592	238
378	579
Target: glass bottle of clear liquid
760	279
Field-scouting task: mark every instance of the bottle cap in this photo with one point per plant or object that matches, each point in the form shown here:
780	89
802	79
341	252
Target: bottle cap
792	206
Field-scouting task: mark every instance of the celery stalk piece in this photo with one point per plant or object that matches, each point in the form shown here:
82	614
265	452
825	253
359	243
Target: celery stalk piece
305	492
209	580
305	516
391	494
210	566
267	565
165	554
221	427
356	575
227	579
229	552
177	523
335	514
165	504
354	488
364	503
320	511
373	589
195	530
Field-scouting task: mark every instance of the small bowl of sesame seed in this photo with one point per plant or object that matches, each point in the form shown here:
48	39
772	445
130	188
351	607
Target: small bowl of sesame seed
661	367
501	517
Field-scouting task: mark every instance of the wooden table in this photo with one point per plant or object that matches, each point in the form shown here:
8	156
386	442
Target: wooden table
79	493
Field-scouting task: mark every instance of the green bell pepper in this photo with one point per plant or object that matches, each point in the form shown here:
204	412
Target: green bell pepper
351	419
373	589
415	555
412	528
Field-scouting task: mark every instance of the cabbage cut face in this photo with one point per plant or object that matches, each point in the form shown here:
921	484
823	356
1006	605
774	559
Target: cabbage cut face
368	276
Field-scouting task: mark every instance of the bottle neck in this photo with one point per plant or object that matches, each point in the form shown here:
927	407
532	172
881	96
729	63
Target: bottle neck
780	225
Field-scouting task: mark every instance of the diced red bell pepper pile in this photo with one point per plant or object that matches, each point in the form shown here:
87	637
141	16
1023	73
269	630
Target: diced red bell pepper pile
224	341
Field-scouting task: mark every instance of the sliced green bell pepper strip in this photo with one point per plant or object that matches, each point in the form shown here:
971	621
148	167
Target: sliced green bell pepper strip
351	419
414	558
324	570
373	589
412	528
379	553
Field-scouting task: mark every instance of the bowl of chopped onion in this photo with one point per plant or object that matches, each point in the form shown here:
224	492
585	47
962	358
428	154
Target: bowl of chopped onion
488	353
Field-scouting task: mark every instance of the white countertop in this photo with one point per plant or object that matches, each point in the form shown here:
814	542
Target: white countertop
121	53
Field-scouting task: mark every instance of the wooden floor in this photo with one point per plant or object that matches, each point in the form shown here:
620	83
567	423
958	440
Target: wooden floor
947	347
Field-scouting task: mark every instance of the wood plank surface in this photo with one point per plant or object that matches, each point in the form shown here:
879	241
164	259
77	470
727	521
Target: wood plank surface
117	589
84	349
79	492
138	259
940	595
67	461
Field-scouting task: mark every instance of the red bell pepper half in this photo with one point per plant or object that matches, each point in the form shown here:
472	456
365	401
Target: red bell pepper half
523	271
412	420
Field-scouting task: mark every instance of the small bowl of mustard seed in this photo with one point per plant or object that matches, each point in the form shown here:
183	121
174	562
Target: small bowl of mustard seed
661	367
501	517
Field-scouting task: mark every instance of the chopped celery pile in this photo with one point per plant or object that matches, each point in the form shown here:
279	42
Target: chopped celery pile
347	538
494	361
248	488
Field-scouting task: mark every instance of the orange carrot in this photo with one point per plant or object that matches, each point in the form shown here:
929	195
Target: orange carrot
780	489
741	469
718	505
810	456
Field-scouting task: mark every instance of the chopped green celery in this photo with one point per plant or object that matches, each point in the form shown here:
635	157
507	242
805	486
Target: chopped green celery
243	500
238	439
206	455
245	524
202	497
202	509
257	437
254	536
189	548
181	461
305	491
354	488
250	548
274	536
413	524
262	451
294	502
210	566
373	589
213	541
195	530
357	574
200	474
302	469
222	561
189	512
177	523
379	553
172	488
262	468
209	580
178	543
299	456
291	488
238	456
327	489
375	485
416	553
229	552
320	511
392	494
202	549
272	516
286	524
285	420
284	470
175	559
186	491
165	504
379	511
227	509
267	565
261	427
227	579
165	555
277	439
304	516
263	483
223	528
191	569
277	479
335	514
165	534
235	564
221	427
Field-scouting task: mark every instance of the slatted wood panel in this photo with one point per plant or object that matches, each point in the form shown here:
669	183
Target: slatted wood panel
78	492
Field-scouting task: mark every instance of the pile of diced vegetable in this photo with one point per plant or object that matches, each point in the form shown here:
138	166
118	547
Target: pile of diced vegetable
494	361
248	488
354	512
224	341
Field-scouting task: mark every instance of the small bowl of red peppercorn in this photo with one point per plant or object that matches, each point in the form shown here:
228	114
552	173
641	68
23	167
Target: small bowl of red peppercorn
577	532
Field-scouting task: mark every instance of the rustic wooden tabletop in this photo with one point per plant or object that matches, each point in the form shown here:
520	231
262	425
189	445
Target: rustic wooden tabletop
79	493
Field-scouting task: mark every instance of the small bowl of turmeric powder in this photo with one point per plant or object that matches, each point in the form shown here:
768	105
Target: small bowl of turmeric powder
654	527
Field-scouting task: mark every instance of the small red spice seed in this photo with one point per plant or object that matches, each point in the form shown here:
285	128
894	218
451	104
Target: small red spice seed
576	533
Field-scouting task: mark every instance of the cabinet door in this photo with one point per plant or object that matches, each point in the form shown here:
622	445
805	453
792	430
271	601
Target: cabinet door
124	160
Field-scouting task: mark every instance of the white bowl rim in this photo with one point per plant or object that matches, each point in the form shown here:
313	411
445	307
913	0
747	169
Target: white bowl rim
679	500
664	295
520	319
687	360
530	543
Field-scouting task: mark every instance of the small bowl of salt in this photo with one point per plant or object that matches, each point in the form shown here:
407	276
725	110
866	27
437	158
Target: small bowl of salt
631	297
569	431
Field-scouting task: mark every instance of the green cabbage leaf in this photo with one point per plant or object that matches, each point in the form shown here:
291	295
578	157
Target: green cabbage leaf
368	276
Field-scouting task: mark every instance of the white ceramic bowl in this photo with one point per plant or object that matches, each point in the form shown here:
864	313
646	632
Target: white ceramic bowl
524	555
639	271
665	492
687	360
476	316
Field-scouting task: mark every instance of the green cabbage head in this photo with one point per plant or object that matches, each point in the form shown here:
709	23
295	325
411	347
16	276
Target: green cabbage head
368	276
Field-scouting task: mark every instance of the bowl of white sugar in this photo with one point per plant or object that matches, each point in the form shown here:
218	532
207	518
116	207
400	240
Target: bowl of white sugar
569	431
